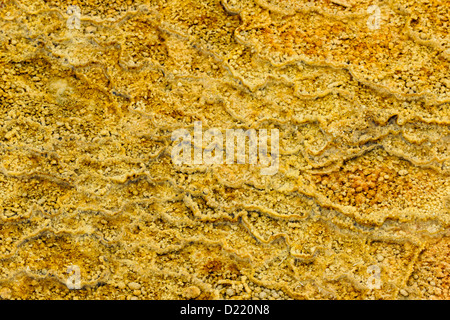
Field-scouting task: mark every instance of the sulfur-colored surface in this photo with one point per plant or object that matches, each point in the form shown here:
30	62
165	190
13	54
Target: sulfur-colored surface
87	179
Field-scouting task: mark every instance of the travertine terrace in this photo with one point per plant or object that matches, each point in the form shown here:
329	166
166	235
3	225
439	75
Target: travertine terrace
88	102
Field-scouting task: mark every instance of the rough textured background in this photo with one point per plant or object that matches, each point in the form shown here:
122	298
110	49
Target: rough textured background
86	177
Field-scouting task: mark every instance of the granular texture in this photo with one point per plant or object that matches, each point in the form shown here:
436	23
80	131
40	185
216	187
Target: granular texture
91	91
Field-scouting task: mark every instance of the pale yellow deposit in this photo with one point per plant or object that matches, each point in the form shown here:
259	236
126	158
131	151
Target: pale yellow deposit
359	208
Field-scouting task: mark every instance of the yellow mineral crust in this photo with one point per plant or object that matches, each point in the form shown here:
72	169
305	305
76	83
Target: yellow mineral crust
93	207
